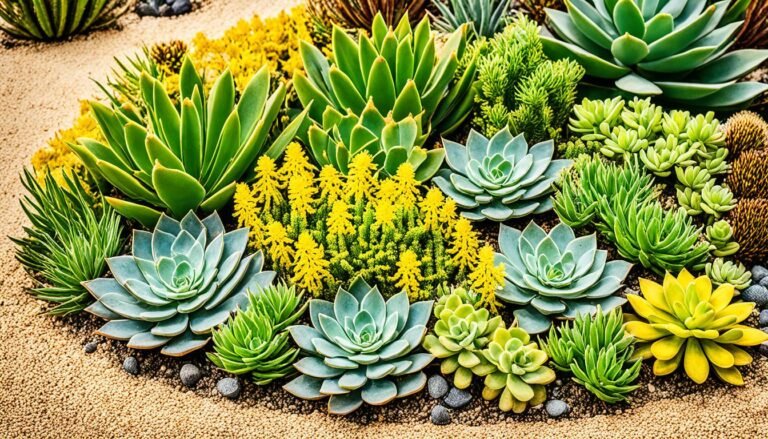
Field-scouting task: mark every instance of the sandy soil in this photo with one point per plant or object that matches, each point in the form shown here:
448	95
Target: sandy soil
50	388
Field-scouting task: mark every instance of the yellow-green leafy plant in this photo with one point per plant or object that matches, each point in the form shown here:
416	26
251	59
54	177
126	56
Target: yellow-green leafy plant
745	131
749	220
321	228
713	200
463	329
520	373
748	174
720	237
67	241
519	87
123	86
722	272
49	20
185	158
598	352
683	322
255	340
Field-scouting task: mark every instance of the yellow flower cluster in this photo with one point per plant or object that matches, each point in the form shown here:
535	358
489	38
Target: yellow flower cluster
320	228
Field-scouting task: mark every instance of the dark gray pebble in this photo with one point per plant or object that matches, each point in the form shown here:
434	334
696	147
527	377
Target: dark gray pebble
759	273
190	375
229	387
757	294
437	386
131	365
457	398
90	347
440	415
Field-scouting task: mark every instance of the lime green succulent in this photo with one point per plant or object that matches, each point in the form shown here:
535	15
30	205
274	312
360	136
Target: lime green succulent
692	177
716	200
666	154
720	237
722	272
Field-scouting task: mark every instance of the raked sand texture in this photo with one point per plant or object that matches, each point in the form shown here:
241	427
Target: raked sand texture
50	388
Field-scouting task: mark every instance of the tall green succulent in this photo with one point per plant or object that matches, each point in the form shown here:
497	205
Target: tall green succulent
400	70
360	349
390	143
674	48
556	275
500	178
181	280
51	20
598	353
255	339
461	332
186	158
67	241
486	17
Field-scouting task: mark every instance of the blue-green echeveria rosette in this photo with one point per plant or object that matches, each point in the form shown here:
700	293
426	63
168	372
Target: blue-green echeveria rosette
556	275
181	280
361	349
500	178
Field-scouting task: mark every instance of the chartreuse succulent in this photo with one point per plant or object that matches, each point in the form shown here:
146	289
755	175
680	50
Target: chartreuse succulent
486	17
390	143
462	331
556	275
598	352
499	178
720	237
520	373
188	157
179	282
671	48
255	340
722	272
400	70
684	322
360	349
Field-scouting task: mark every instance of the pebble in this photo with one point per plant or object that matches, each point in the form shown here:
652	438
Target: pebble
190	375
165	10
556	408
457	398
440	415
757	294
437	386
651	388
90	347
763	282
229	387
762	320
764	348
758	273
181	7
131	365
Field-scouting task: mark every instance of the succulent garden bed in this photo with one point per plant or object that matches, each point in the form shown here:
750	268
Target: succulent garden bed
482	212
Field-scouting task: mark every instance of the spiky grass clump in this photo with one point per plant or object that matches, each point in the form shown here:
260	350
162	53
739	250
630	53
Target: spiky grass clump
56	20
537	8
748	175
745	131
68	241
749	220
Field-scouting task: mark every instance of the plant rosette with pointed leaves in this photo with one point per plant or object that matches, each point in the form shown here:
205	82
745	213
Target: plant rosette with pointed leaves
461	332
186	158
684	322
499	178
360	349
179	282
556	275
677	49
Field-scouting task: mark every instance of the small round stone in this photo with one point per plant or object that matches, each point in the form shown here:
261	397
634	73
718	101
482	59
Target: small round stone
190	375
763	282
131	365
90	347
759	273
457	398
181	7
440	415
437	386
763	349
762	320
229	387
146	10
165	10
556	408
757	294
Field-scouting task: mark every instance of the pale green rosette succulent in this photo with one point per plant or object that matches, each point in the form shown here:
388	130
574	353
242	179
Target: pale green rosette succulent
181	280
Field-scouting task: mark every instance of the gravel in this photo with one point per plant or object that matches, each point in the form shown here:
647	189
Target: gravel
758	273
90	347
757	294
229	387
556	408
440	415
457	398
190	375
437	386
131	365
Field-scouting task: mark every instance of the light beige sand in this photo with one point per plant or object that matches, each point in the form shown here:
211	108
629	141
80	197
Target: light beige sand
50	388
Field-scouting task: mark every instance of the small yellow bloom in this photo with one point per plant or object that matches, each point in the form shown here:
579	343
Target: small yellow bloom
464	245
266	188
408	275
331	184
407	185
246	211
301	193
361	182
339	222
486	278
278	245
310	267
430	207
295	164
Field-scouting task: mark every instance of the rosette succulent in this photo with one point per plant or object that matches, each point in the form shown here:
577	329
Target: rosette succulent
462	331
487	17
185	157
500	178
181	280
720	237
684	322
520	374
360	349
722	272
674	48
556	275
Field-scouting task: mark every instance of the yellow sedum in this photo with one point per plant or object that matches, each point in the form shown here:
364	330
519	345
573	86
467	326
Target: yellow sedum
466	244
487	278
339	221
684	322
408	275
310	267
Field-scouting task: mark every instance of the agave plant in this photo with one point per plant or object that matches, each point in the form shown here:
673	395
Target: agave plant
597	351
520	375
487	17
255	339
51	20
674	48
390	143
500	178
400	70
181	280
462	331
189	157
360	349
556	275
684	322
